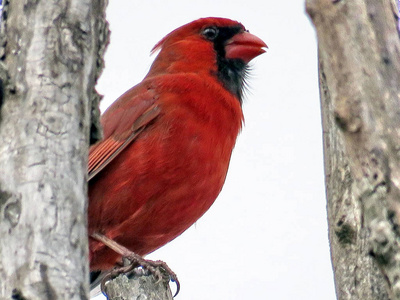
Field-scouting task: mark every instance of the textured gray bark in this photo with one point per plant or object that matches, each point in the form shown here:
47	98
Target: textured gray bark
359	64
138	287
51	56
356	274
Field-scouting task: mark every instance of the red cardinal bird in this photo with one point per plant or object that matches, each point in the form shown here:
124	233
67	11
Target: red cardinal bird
168	140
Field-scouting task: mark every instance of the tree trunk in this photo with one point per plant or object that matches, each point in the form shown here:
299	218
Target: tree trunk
359	67
51	55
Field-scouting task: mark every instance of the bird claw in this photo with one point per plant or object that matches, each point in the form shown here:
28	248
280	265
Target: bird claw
161	267
157	268
131	261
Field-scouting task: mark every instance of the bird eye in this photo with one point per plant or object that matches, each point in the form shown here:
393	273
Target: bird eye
210	33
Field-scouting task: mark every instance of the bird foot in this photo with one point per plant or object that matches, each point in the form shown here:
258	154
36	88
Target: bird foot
132	260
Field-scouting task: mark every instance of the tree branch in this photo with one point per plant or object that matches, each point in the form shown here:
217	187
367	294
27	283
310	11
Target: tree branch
138	286
359	75
51	50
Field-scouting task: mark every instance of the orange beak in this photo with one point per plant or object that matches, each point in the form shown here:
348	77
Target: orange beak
244	46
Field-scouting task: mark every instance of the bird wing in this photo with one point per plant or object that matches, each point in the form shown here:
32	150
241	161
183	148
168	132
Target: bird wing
125	121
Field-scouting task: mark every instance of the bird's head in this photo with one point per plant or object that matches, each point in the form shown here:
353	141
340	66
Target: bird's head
219	46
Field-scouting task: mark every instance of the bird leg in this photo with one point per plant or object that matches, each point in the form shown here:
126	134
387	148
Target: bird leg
135	261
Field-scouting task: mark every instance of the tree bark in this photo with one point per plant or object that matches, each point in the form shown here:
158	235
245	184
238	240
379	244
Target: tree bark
138	287
50	55
359	68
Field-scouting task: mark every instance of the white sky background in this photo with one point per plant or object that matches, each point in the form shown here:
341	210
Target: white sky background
266	235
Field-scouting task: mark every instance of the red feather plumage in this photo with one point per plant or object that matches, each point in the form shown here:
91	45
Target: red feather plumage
167	144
